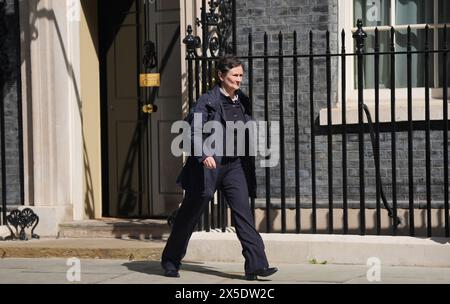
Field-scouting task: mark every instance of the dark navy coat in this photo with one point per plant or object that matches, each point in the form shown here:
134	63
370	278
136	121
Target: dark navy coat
194	176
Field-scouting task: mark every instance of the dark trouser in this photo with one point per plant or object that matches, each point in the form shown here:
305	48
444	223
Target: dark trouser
232	182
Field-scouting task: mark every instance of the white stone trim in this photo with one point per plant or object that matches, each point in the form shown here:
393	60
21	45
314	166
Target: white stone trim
346	16
40	97
52	122
345	11
75	106
401	112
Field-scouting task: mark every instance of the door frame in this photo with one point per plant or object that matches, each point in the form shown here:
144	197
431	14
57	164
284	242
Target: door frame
189	12
104	115
91	182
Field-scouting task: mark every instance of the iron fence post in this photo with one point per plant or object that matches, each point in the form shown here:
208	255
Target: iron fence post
410	134
329	136
234	27
446	127
428	130
204	44
296	139
393	132
360	37
344	135
313	131
192	43
377	137
4	69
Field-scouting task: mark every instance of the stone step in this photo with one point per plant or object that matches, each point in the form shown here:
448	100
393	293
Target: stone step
116	228
225	247
83	249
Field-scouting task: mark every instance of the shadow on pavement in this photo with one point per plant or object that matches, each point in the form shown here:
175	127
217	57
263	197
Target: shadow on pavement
154	268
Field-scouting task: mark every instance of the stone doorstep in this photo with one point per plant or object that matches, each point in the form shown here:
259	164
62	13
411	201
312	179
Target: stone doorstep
83	253
112	222
83	249
115	228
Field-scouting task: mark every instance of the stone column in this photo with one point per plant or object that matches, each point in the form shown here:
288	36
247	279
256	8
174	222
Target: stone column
54	149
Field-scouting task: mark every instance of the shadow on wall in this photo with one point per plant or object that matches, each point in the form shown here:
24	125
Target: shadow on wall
274	214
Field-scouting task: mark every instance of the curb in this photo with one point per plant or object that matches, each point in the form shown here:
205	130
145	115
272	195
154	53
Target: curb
153	254
83	248
331	249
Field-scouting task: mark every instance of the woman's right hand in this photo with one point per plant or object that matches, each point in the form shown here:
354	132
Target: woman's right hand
210	163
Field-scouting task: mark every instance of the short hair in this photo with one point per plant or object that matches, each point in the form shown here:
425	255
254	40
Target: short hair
227	63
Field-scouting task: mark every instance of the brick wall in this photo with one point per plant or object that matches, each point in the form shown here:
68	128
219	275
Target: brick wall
11	97
287	16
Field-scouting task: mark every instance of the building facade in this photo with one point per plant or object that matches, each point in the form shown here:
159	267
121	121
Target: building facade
91	151
318	17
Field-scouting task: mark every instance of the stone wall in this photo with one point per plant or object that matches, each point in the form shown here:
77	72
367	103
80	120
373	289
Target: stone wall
286	16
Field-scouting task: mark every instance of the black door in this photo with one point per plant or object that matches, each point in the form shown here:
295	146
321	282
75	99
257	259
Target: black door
137	145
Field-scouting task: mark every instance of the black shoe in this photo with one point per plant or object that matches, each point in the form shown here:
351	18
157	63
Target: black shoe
172	273
265	272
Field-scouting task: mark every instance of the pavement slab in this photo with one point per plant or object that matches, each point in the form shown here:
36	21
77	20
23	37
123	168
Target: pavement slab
55	271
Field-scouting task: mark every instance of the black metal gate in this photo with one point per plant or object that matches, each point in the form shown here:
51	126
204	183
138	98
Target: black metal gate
11	139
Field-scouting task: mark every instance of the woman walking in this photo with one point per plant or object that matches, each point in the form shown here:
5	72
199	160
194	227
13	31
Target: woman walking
233	174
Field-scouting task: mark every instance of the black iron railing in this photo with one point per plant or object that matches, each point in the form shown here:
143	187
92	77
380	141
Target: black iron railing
4	64
11	137
364	126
